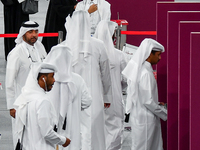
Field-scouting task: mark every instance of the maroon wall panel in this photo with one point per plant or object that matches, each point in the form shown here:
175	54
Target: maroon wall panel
185	27
161	27
173	19
194	91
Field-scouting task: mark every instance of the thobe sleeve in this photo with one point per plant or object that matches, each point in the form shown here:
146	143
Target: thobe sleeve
131	96
12	68
86	98
62	10
122	66
105	75
149	103
46	126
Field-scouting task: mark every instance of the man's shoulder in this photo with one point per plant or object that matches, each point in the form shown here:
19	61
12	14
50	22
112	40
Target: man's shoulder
15	51
16	48
107	3
80	6
93	39
77	78
98	44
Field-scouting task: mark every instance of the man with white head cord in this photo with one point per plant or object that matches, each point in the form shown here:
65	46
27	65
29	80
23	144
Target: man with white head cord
27	51
35	115
142	99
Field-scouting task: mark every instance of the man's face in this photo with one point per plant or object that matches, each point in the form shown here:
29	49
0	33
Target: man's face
155	58
50	81
31	36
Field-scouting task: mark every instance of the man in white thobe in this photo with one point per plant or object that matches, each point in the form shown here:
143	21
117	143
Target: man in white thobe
142	99
98	10
27	51
69	95
114	116
91	62
35	113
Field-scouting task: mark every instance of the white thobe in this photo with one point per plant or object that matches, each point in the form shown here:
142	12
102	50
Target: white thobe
95	70
17	69
146	113
114	116
96	16
39	133
81	101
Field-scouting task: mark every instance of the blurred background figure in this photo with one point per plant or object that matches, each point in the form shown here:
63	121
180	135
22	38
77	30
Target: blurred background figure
114	115
13	18
57	11
98	10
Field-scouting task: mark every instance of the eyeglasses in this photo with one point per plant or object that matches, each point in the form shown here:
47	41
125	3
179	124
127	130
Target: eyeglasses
29	57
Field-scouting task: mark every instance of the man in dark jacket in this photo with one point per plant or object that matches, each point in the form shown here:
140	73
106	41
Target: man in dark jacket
13	18
58	10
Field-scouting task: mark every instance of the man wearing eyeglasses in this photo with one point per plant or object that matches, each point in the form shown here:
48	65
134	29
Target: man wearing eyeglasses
27	51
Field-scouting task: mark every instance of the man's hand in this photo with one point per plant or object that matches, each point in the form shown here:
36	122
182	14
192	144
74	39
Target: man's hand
75	6
67	142
92	8
162	103
12	112
106	105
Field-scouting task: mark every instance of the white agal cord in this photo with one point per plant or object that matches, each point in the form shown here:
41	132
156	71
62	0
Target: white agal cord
45	84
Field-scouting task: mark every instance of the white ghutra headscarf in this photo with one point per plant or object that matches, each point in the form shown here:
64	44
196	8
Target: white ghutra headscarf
78	35
104	32
61	56
25	27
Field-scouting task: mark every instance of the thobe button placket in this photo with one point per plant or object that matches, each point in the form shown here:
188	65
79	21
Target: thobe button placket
32	55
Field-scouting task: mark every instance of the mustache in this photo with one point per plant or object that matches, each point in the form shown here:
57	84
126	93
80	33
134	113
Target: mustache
34	38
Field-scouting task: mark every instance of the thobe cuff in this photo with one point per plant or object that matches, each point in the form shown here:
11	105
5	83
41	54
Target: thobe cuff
63	140
107	98
10	103
159	111
10	106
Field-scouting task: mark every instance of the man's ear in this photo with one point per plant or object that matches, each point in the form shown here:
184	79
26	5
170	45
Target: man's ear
148	59
43	78
23	37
